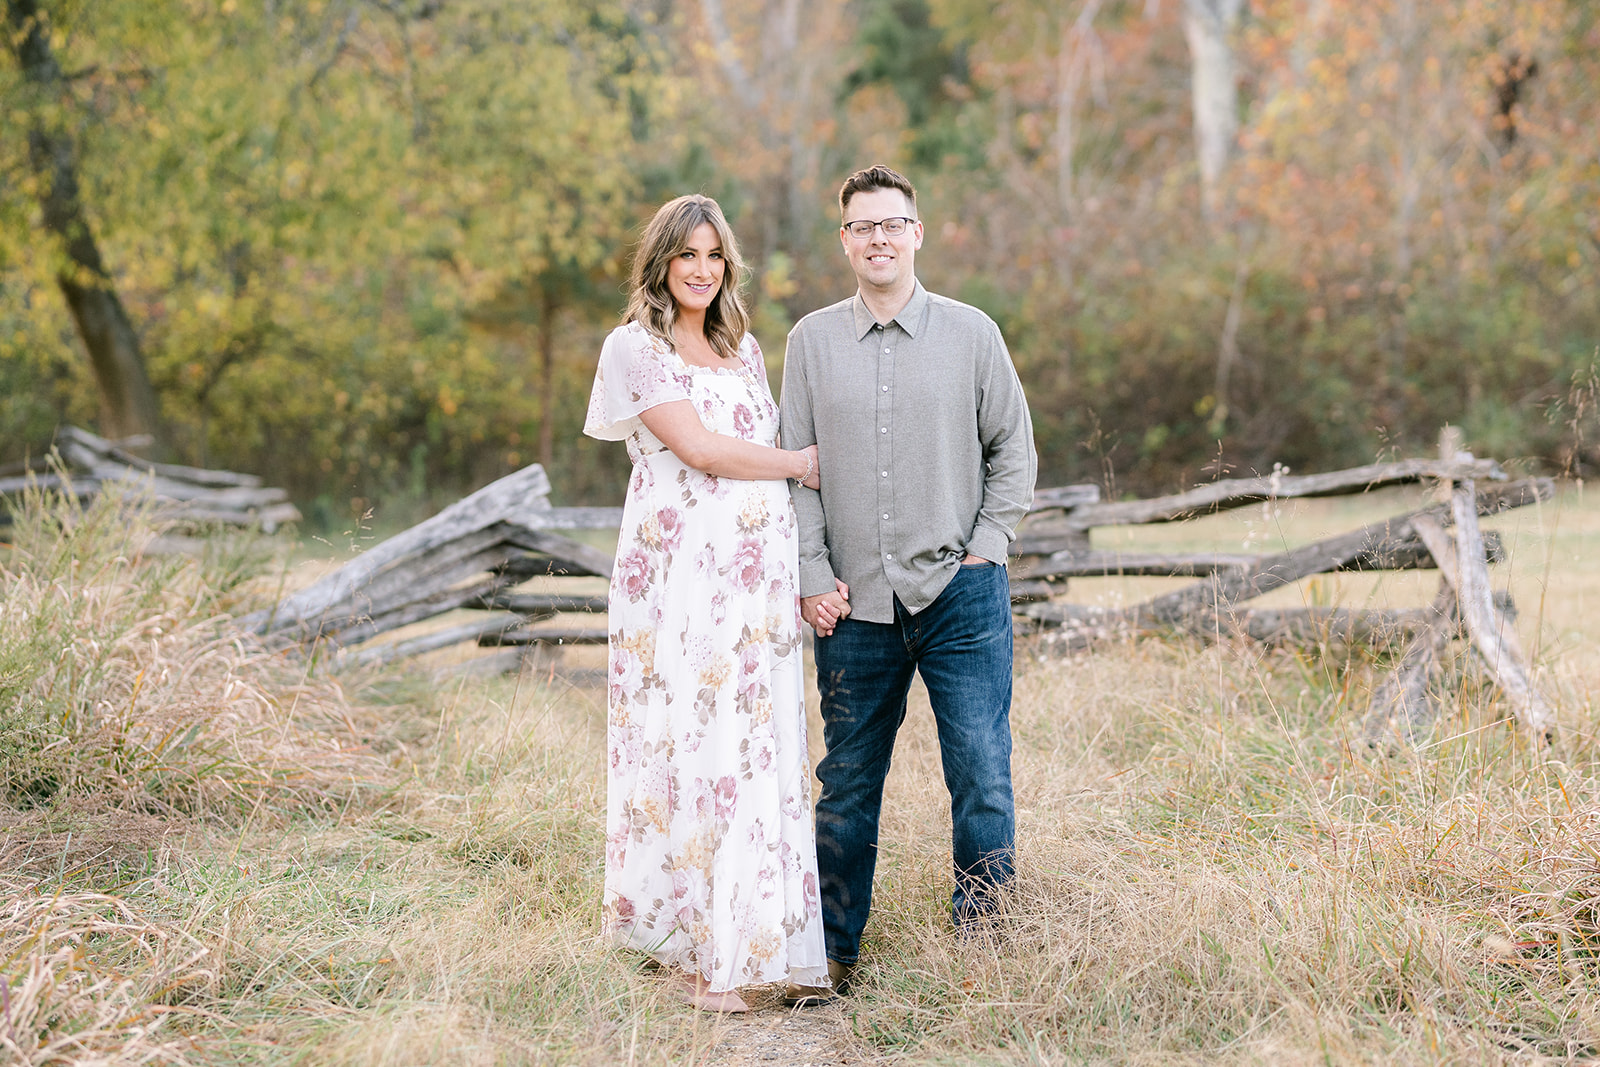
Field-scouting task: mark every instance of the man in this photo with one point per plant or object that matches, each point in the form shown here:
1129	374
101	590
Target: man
927	459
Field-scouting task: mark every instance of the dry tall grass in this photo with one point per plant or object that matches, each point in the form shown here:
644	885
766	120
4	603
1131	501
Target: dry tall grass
121	681
86	978
1210	870
133	718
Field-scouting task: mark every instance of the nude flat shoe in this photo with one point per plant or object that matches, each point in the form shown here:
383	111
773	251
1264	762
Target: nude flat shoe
696	992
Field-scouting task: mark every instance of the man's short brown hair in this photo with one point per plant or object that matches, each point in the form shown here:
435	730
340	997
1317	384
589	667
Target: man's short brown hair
874	177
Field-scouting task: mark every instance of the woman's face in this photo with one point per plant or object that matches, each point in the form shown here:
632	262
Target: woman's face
695	273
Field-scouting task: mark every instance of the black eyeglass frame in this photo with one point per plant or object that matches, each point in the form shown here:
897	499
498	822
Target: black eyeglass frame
849	227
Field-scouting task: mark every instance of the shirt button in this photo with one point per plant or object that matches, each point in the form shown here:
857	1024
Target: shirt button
883	429
886	351
888	555
886	388
886	474
886	514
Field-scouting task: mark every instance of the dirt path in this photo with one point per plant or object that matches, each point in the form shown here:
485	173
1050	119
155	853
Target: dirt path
773	1035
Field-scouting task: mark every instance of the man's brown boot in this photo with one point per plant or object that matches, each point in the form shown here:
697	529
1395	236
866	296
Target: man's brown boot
809	996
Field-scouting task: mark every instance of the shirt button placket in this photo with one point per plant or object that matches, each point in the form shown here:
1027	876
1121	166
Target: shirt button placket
885	414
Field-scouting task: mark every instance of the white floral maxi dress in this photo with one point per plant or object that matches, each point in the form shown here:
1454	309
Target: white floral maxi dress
710	854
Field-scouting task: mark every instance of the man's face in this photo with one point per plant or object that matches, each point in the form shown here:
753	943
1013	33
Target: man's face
881	263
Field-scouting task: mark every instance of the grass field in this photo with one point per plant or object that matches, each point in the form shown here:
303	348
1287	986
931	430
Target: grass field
211	855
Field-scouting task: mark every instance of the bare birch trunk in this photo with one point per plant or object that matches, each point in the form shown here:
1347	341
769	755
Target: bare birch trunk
1208	25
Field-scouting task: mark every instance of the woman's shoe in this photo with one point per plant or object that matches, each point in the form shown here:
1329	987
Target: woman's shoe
809	996
697	994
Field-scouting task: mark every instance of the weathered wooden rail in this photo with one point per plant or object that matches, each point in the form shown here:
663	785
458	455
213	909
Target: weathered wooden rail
1231	579
187	495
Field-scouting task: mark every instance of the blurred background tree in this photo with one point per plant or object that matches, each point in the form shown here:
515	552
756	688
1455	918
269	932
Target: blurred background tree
368	248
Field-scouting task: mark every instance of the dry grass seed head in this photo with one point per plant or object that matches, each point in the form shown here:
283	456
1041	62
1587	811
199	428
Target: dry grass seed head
89	980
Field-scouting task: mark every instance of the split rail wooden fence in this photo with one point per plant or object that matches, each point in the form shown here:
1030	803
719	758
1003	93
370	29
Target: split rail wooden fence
472	555
476	553
1053	545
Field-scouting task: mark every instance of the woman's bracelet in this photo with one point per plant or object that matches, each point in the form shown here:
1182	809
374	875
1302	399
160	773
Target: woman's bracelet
811	465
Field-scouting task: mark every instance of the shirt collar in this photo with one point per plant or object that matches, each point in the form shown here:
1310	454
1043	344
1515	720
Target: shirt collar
910	318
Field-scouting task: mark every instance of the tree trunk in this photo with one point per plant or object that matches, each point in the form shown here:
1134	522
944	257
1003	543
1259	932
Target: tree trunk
1208	25
547	379
128	403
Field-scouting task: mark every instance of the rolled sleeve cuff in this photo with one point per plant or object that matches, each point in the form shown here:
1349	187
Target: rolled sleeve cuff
991	544
816	578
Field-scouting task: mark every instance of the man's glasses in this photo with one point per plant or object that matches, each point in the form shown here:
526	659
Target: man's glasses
861	229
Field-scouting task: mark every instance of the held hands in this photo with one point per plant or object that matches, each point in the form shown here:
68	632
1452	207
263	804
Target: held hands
823	611
812	478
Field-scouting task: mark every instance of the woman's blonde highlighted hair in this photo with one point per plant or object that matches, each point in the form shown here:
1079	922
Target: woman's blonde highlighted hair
650	304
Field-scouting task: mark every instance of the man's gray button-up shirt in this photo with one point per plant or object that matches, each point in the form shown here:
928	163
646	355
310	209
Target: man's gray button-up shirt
925	447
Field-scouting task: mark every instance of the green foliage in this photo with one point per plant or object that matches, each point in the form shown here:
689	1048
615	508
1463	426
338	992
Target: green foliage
348	232
337	225
42	382
903	48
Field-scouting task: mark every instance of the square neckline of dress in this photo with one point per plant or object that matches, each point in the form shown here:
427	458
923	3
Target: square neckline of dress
742	369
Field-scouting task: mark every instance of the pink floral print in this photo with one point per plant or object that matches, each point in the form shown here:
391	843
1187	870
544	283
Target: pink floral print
710	855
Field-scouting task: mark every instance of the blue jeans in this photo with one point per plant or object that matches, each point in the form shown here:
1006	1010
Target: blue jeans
961	644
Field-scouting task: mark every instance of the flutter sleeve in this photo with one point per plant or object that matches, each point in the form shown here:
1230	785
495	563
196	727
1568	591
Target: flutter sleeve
636	373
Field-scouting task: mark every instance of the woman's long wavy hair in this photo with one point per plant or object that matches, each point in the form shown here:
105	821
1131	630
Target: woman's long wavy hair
650	304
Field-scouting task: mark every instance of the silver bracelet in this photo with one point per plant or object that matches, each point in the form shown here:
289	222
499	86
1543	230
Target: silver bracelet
811	466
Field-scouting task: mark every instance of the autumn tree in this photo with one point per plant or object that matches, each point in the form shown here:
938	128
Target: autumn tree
762	83
325	212
371	246
50	108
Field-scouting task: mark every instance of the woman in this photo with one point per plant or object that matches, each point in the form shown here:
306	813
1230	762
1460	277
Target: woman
710	856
